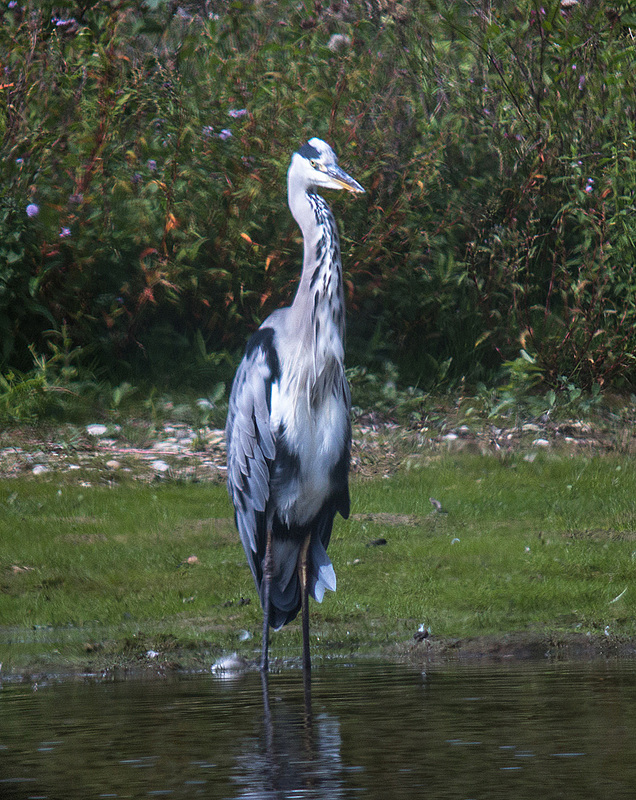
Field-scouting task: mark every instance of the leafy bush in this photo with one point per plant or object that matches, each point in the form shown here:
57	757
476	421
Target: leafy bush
56	386
143	159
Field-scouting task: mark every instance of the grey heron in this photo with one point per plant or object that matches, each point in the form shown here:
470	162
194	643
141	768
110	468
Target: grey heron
288	426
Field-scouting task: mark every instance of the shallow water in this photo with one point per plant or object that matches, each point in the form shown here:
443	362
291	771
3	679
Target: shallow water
373	731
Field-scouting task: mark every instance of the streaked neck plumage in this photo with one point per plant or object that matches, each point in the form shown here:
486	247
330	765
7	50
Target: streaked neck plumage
317	313
321	278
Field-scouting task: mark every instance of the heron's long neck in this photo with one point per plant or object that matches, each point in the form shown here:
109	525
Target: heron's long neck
317	313
319	301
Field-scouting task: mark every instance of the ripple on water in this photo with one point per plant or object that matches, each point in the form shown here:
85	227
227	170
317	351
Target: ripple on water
374	729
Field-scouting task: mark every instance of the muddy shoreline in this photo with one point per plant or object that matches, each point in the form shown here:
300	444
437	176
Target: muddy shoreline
492	650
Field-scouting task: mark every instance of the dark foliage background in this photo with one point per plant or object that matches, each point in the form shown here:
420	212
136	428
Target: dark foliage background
144	146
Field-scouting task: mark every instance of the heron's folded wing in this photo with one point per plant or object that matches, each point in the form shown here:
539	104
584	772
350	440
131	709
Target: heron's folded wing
251	448
340	474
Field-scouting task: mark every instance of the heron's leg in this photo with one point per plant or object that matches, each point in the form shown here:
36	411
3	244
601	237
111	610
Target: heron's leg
267	578
304	596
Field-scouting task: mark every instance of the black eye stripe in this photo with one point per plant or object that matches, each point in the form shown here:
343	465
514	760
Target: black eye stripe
307	151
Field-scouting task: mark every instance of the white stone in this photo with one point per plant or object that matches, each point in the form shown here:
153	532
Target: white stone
39	469
160	466
96	429
339	42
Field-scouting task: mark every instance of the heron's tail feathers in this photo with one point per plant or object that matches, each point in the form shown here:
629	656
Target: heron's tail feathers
285	599
322	575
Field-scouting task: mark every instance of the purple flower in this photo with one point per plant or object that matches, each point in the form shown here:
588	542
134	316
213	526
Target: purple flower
151	164
32	210
237	113
12	3
225	134
207	131
589	186
65	233
581	83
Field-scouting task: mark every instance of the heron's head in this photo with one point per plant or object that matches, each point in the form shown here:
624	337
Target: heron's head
315	165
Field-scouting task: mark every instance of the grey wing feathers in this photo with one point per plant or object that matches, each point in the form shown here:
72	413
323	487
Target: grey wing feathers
250	447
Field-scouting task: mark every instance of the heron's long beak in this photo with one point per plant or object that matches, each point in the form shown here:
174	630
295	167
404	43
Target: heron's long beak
344	181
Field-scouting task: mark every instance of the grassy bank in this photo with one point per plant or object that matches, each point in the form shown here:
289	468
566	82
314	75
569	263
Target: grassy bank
135	575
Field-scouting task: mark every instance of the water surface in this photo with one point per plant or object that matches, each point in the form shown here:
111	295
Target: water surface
373	731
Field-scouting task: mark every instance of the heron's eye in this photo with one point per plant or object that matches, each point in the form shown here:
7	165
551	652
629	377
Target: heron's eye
314	163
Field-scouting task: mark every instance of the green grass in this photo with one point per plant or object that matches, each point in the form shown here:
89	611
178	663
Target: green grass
99	575
522	545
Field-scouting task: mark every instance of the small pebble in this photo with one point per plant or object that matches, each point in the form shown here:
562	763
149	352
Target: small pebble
96	429
339	42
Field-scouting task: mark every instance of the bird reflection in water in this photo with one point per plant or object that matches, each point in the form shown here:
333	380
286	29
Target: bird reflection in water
294	753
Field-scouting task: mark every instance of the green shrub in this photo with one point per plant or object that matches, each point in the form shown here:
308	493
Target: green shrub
496	143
